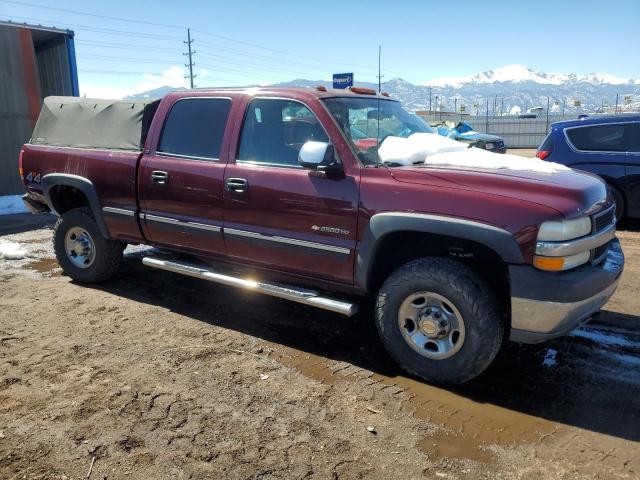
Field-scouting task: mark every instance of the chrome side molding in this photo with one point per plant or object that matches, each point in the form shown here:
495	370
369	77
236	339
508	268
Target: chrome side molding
299	295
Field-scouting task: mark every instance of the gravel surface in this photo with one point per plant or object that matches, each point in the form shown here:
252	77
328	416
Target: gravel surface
153	375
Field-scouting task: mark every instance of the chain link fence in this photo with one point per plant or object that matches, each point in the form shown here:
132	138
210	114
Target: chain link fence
516	132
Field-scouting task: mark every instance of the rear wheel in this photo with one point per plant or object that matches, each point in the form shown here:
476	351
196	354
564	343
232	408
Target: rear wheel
82	252
439	321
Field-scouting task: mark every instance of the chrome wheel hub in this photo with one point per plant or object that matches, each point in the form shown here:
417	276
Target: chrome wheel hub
431	325
79	247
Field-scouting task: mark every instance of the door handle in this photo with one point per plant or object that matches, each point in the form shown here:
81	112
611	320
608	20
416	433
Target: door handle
159	177
237	185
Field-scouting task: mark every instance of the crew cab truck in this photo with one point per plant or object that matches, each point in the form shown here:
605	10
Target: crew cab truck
265	189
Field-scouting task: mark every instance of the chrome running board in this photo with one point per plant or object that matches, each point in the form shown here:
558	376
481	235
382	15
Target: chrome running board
307	297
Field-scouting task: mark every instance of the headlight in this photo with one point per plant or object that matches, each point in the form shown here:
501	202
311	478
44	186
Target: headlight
557	264
562	230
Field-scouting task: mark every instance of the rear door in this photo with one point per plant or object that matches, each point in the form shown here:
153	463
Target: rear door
633	169
181	180
279	215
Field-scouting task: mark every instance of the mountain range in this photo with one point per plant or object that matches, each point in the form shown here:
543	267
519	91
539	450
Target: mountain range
512	89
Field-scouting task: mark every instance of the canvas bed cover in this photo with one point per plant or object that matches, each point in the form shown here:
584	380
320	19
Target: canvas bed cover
94	123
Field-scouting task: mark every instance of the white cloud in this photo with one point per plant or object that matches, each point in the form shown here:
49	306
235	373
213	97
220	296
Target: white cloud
172	77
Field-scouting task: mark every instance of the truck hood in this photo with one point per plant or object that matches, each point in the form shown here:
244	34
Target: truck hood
478	136
570	192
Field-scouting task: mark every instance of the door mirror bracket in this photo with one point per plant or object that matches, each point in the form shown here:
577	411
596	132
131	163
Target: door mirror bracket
319	157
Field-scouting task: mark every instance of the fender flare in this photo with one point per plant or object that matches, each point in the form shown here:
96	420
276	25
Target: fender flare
500	241
81	183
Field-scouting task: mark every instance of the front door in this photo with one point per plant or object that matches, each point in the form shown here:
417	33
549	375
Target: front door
279	215
181	182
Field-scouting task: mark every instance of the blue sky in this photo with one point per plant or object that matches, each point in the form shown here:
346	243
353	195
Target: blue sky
249	41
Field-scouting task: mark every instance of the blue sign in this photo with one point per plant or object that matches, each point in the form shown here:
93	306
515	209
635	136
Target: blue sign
342	80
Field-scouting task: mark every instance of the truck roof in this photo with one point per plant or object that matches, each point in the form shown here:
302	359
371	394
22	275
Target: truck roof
292	92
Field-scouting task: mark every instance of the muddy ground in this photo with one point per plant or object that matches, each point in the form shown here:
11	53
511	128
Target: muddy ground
154	376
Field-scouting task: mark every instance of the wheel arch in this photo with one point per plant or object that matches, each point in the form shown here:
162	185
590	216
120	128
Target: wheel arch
66	191
428	235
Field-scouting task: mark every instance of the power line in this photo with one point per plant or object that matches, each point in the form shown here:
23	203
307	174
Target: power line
125	59
95	15
99	29
123	46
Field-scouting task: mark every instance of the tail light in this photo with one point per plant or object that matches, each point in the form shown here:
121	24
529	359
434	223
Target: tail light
20	170
542	154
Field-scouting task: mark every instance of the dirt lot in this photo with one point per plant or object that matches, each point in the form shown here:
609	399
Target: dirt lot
155	376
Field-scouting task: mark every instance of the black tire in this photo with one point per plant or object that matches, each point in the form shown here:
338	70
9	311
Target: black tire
468	293
108	253
620	205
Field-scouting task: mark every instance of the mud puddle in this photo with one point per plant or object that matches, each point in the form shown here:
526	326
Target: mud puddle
45	266
467	427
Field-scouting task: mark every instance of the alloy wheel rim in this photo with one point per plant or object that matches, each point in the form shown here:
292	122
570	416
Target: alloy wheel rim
79	247
431	325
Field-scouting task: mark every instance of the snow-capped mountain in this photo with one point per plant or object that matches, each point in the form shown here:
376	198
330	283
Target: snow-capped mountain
520	73
512	89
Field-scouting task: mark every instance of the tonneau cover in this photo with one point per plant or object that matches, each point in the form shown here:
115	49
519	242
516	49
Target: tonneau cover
94	123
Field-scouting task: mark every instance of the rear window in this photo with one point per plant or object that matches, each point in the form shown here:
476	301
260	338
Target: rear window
633	137
598	138
195	128
547	144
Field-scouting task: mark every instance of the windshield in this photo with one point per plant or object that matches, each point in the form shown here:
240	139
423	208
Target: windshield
366	122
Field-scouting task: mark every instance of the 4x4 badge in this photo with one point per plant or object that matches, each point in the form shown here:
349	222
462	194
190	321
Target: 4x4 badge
341	231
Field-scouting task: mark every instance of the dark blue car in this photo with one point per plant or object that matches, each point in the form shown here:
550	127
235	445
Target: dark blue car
606	145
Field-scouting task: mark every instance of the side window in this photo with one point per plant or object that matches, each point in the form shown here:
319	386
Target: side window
599	138
195	128
274	131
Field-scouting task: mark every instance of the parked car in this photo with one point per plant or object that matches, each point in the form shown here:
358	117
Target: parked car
463	132
607	145
264	189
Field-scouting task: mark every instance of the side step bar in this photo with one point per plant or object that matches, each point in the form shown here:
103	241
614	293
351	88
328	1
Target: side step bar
308	297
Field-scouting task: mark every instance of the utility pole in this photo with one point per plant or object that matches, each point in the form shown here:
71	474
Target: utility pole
430	100
547	127
564	104
617	103
501	106
379	72
190	53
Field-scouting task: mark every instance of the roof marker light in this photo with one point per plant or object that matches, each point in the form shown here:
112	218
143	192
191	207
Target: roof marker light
363	91
385	94
321	88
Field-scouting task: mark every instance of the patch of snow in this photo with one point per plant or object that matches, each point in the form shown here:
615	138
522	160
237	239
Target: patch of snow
605	338
469	133
622	358
436	150
478	158
416	147
11	204
11	250
550	358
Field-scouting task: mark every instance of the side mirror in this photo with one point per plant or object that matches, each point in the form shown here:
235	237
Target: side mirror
316	154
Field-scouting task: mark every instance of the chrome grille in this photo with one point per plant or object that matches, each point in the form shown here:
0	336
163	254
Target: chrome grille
602	220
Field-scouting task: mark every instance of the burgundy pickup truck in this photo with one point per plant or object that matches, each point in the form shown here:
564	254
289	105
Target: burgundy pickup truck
282	191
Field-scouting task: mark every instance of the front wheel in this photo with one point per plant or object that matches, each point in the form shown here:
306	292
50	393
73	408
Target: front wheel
82	252
439	321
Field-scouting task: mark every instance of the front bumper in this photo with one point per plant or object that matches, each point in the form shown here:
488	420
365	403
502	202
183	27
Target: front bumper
546	305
